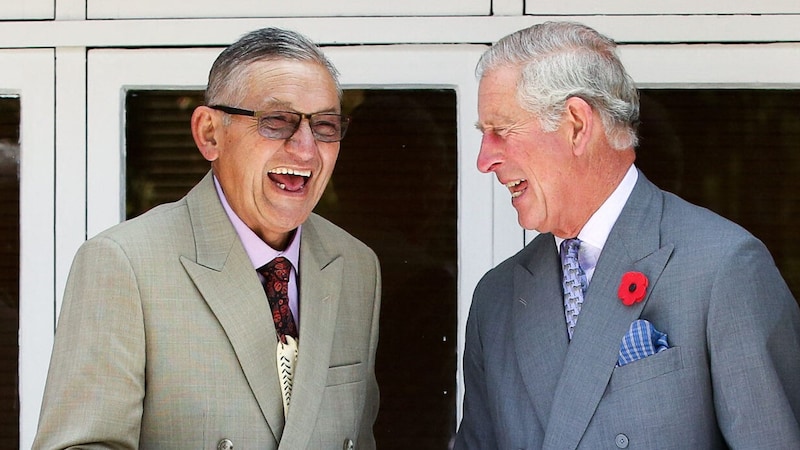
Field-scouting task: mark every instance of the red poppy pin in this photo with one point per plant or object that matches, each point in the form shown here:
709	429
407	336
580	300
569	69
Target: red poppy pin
632	288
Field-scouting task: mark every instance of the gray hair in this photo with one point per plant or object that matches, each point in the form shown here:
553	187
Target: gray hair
226	80
559	60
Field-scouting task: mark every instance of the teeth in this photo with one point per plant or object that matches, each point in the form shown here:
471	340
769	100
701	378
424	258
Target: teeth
511	185
287	171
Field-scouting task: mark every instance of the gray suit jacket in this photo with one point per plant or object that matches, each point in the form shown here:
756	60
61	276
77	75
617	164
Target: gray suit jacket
730	378
165	339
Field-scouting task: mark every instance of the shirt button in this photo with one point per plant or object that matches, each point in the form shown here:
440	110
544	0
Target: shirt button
225	444
621	440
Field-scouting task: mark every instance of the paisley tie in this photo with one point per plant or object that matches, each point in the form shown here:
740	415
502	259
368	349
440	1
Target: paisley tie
276	286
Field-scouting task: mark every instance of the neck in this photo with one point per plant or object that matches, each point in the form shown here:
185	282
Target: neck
600	178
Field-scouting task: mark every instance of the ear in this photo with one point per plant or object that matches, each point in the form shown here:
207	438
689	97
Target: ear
579	123
206	129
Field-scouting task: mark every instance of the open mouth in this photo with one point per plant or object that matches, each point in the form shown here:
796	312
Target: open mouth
517	187
289	179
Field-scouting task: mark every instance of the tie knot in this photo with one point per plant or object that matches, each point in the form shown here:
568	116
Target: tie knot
277	269
569	249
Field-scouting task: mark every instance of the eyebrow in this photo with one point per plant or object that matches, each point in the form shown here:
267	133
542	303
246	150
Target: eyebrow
274	104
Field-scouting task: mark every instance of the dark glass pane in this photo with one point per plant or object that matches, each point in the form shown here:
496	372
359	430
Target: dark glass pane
736	152
9	271
394	188
162	163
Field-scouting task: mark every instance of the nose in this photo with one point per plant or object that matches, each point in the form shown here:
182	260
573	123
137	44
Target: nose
490	155
302	142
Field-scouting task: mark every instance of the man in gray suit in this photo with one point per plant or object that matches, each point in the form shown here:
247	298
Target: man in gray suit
167	338
662	326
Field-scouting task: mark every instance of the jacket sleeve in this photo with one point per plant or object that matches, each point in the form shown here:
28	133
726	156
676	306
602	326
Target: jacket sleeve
366	437
753	337
95	384
476	429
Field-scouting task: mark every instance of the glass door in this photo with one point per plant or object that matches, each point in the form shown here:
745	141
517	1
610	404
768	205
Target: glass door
720	128
407	160
27	179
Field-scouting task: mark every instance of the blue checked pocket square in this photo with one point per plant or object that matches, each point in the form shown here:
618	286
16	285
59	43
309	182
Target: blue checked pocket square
641	341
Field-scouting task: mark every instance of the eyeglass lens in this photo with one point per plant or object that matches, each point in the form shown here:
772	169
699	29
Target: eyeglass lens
283	124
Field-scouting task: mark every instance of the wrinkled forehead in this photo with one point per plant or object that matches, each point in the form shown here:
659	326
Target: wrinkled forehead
291	84
497	91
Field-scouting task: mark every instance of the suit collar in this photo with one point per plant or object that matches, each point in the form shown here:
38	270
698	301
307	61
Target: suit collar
633	245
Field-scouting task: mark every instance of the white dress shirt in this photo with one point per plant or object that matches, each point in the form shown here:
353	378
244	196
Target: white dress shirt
594	234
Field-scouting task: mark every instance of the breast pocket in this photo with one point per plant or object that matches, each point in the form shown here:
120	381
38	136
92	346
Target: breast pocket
646	369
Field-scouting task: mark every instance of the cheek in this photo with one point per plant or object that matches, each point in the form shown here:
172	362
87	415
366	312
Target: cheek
328	156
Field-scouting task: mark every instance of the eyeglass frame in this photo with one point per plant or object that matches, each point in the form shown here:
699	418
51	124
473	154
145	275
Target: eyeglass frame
345	121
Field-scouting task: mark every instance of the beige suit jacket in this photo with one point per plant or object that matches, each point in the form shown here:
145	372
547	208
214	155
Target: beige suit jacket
165	340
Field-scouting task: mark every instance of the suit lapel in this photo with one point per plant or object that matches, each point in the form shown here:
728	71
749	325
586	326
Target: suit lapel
540	333
320	286
633	245
227	281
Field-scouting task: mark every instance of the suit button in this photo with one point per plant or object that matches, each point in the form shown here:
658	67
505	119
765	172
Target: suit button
348	444
621	440
225	444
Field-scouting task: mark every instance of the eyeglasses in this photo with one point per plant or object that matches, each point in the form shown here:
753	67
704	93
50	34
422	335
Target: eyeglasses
325	127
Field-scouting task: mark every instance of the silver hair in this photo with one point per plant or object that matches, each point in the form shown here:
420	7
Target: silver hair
228	75
559	60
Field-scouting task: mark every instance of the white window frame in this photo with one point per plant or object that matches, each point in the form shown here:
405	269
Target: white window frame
487	234
27	10
112	72
630	7
122	9
711	66
29	74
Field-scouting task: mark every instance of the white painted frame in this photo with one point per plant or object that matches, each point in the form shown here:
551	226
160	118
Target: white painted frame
630	7
27	10
112	72
29	74
122	9
653	64
752	66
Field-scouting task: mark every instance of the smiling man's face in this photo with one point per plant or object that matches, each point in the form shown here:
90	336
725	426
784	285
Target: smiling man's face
533	164
273	185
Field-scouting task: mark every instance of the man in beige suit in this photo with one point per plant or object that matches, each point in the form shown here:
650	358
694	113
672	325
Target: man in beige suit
166	337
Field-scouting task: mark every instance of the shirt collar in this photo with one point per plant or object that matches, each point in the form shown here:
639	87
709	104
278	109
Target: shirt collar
598	227
257	250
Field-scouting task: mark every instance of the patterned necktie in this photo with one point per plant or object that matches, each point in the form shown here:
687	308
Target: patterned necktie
276	286
574	282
